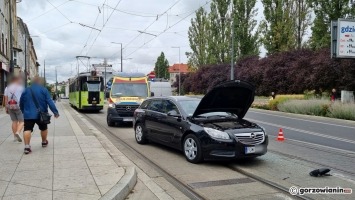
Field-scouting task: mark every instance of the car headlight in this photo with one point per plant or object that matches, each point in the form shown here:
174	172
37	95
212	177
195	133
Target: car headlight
112	105
263	129
216	133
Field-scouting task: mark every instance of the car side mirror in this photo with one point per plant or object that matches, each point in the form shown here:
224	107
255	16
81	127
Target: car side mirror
174	114
152	94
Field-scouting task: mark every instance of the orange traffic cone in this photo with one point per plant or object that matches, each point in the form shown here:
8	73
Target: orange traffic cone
280	137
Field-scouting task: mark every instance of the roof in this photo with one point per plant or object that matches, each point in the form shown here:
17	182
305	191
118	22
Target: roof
175	68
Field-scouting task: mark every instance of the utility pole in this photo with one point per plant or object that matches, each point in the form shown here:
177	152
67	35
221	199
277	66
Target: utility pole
44	73
232	47
179	69
121	54
11	38
56	81
25	60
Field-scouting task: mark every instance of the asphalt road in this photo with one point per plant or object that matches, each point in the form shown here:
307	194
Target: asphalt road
323	141
326	132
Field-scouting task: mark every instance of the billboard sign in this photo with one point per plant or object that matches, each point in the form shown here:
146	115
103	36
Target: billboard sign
344	36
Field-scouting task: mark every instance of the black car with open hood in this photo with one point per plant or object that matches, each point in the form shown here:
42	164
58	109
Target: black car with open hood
209	128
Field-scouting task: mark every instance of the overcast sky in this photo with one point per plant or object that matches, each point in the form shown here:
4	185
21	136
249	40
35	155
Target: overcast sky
59	37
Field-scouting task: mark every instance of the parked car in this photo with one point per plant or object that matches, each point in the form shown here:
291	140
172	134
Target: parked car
209	128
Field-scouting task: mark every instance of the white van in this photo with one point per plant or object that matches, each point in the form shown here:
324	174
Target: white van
161	89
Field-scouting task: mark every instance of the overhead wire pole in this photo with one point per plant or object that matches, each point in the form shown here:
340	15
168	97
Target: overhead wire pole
179	69
11	38
121	54
232	45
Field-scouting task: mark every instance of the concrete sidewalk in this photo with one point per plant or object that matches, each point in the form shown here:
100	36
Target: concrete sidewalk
75	165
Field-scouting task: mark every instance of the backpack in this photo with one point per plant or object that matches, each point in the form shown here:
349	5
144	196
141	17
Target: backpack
13	103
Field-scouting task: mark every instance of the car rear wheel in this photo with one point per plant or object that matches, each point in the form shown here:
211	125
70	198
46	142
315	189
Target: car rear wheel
192	149
140	134
109	121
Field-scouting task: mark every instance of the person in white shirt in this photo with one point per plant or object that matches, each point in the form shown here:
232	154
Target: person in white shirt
12	96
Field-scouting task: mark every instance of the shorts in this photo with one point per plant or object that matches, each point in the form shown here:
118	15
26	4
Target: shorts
30	123
16	115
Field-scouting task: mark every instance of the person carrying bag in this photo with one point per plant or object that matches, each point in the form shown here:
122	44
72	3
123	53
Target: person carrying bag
34	104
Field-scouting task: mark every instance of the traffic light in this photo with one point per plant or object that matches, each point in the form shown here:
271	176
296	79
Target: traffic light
93	73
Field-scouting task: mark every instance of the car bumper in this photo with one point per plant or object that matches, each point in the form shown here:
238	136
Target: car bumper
116	117
213	149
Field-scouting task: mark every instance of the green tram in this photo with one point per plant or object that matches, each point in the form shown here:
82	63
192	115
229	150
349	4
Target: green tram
86	92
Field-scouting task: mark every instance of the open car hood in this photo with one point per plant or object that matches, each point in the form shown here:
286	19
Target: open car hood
233	96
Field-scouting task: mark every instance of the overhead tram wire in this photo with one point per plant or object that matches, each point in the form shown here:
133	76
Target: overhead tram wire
103	27
152	23
168	28
87	41
60	11
56	7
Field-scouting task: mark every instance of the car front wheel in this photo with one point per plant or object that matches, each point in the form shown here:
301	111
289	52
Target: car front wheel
109	121
140	134
192	149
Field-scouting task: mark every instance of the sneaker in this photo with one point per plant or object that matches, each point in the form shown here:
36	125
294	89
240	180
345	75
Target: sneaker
18	138
45	144
28	150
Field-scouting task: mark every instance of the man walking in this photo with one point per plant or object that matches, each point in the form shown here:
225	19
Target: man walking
12	96
32	115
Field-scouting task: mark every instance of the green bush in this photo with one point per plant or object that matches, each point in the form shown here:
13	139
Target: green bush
306	107
342	111
283	98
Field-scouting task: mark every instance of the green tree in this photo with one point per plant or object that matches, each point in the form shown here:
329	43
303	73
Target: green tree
220	23
303	20
246	35
161	67
278	28
325	12
198	39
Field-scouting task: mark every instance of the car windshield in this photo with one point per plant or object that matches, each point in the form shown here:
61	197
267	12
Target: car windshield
129	90
189	106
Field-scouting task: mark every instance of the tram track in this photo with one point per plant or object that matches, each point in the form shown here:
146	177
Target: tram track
182	187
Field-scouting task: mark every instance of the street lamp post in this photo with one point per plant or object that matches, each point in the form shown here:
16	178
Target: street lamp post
11	38
179	69
232	45
121	54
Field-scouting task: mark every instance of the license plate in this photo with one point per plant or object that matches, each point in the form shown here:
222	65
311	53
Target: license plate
249	150
94	102
128	120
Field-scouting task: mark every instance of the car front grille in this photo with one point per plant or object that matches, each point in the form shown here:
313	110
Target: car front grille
126	110
253	138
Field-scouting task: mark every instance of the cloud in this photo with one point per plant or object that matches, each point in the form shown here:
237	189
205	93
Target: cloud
61	38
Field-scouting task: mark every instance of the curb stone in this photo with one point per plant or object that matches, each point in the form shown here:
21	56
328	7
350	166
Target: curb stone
123	186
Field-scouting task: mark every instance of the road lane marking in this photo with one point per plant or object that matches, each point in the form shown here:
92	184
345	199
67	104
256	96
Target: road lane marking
344	126
303	131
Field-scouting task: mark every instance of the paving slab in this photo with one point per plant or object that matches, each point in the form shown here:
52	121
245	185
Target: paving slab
73	166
